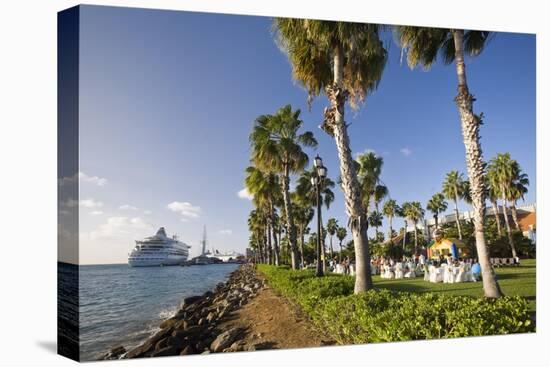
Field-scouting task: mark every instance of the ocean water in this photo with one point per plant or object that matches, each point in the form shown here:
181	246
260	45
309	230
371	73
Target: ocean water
120	305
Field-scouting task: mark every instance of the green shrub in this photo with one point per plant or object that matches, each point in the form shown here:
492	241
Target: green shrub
382	315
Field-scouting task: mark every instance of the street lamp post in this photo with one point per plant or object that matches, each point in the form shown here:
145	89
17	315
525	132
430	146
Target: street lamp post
316	181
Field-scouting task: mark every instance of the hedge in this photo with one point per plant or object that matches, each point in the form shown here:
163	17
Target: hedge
383	315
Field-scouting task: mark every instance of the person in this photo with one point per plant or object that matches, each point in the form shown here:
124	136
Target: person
476	270
422	259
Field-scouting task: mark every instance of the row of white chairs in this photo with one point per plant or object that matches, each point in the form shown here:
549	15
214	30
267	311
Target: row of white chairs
504	261
450	274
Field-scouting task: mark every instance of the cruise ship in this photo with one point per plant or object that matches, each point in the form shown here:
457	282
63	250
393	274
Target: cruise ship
158	250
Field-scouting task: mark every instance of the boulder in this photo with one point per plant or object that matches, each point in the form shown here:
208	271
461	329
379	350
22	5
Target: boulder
187	350
190	300
225	339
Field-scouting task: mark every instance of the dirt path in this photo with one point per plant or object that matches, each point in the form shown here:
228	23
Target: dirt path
271	322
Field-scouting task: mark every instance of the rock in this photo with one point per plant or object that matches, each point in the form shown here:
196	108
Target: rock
168	322
190	300
225	339
251	348
187	350
170	350
211	317
115	353
202	321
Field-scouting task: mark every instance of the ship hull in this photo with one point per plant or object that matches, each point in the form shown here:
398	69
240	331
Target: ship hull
169	261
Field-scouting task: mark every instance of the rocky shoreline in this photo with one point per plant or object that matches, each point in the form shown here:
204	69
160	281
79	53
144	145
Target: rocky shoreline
195	328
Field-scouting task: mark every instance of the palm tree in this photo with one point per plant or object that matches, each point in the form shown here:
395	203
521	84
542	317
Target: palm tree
437	205
341	233
491	186
423	46
517	192
505	174
306	194
413	212
256	225
346	61
277	147
372	191
375	220
303	214
332	227
390	210
265	188
452	190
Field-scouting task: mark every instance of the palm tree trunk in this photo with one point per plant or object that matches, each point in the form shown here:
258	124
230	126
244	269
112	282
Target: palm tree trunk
291	230
436	217
514	211
474	161
331	252
457	218
415	239
340	254
352	195
302	246
497	217
274	234
390	233
508	228
269	245
404	235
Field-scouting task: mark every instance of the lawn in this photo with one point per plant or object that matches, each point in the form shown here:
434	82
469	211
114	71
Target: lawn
514	281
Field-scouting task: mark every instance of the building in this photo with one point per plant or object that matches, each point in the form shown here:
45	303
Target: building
527	218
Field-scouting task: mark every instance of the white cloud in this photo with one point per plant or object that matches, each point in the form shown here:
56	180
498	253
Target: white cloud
226	232
127	207
120	227
185	209
86	203
90	203
245	194
82	177
96	212
147	212
406	151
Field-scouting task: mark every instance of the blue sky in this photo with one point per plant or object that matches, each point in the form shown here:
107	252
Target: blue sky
167	101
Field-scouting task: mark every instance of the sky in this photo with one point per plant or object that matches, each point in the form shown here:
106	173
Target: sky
168	99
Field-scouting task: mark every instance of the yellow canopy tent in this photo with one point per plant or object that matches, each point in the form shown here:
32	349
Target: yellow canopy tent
446	246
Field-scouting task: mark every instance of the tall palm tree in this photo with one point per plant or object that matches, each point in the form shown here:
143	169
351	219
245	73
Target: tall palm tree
414	212
256	225
390	210
306	193
492	187
517	192
505	174
437	205
277	147
265	189
341	234
423	46
344	60
372	191
303	214
453	190
332	227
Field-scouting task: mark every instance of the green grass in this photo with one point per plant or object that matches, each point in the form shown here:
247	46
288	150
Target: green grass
514	281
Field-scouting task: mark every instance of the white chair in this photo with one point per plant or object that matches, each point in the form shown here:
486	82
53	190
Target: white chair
399	271
427	273
436	275
352	270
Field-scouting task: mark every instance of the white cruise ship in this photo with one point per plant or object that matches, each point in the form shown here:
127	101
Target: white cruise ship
158	250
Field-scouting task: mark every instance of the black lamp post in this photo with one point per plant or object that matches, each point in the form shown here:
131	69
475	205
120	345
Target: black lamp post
316	181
